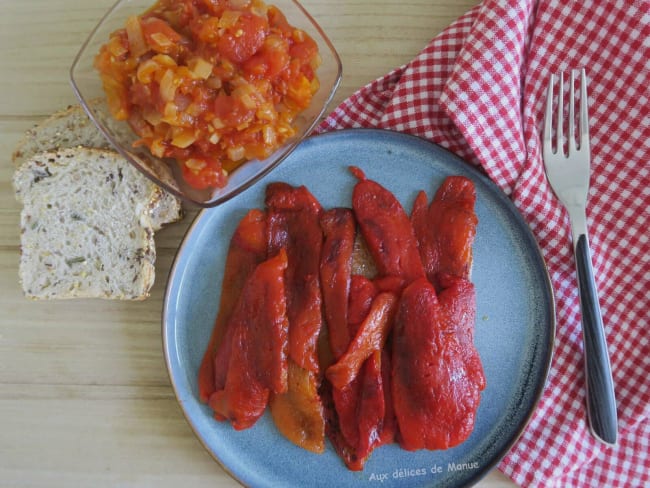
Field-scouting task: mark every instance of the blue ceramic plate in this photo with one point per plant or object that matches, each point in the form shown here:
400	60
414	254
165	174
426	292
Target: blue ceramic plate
514	330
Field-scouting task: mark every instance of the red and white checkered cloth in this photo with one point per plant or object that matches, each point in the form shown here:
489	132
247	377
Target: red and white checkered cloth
479	89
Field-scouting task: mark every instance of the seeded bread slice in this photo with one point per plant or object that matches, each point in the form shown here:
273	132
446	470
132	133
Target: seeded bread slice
86	228
73	128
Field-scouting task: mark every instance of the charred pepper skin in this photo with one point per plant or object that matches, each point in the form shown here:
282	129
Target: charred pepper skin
396	361
294	224
247	249
436	382
445	229
339	229
257	341
387	230
371	336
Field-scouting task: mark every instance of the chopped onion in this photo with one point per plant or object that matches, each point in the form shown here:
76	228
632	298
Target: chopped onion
298	35
275	43
136	38
239	3
116	47
170	113
194	109
214	82
164	60
315	62
146	70
161	41
269	136
182	137
248	101
228	18
235	153
152	116
266	112
200	68
259	8
195	164
157	148
168	86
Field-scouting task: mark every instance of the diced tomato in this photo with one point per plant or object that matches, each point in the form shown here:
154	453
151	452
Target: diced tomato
230	110
160	36
202	80
208	177
244	39
305	50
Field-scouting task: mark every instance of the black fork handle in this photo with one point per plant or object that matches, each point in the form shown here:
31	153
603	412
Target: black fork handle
601	402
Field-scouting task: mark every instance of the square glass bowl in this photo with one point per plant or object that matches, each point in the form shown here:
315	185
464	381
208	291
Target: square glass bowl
87	86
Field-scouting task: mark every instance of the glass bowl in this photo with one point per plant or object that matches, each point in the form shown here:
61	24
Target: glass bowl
87	86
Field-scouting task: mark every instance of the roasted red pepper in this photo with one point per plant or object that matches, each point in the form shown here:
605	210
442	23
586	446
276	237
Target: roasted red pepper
370	337
362	292
258	330
445	229
398	352
436	389
346	401
362	419
387	230
364	416
293	224
458	302
344	431
389	427
247	249
339	230
372	406
298	414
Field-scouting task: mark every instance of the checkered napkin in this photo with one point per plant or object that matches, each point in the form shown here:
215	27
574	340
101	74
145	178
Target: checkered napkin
479	89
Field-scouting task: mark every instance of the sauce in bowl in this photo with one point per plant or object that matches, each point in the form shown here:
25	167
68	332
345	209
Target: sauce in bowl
209	83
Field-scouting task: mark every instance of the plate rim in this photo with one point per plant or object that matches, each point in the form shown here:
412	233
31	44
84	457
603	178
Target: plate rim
503	199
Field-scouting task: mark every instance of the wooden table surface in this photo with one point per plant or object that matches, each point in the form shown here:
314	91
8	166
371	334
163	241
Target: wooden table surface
85	399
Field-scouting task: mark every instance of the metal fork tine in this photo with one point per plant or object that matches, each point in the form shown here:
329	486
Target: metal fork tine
559	143
584	116
548	117
572	128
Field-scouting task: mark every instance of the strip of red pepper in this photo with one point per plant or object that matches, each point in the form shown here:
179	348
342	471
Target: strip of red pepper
391	242
364	417
258	349
387	230
339	230
247	249
457	298
345	400
362	292
372	406
436	390
293	224
445	230
370	337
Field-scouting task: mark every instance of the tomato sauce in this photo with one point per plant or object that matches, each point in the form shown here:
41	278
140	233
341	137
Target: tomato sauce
210	83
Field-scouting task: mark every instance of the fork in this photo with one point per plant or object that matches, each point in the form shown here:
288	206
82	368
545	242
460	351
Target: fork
568	176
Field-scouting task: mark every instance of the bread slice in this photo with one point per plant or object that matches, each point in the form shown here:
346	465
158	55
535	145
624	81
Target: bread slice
71	128
86	226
